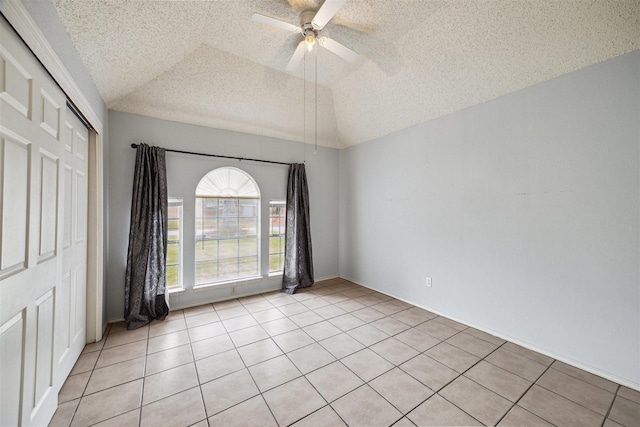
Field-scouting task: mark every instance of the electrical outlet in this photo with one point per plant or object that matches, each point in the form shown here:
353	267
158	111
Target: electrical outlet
233	289
428	282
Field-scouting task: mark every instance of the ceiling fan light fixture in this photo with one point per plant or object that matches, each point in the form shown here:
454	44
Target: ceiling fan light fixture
310	40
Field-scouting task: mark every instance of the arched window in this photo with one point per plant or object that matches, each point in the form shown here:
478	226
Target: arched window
227	226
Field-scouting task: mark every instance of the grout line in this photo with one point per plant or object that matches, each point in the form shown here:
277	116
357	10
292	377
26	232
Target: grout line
615	395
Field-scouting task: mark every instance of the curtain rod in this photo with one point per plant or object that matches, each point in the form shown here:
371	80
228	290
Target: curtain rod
220	156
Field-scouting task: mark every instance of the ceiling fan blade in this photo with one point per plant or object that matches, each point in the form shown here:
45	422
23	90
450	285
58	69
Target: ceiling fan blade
328	9
339	49
295	60
267	20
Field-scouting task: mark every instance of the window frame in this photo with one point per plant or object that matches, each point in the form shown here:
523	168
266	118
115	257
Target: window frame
281	236
200	237
179	286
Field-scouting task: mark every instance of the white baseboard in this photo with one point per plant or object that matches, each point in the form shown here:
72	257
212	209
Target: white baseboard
574	363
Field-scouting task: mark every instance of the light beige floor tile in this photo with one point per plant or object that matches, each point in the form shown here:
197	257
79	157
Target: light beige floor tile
410	317
279	326
126	337
579	391
336	298
368	314
329	311
108	403
128	419
282	300
199	309
418	340
484	336
322	330
586	376
168	359
401	390
365	407
167	341
334	381
174	315
453	357
368	300
438	412
230	313
228	391
94	346
629	394
504	383
240	322
120	327
514	363
315	303
341	345
558	410
366	364
223	305
346	322
182	409
437	329
306	318
268	315
248	335
216	366
451	323
429	372
202	319
121	353
293	309
206	331
394	351
250	413
609	423
310	358
367	334
258	306
259	352
404	422
540	358
169	382
64	413
167	326
518	417
86	362
73	387
390	326
471	344
293	340
349	305
323	417
477	401
354	293
625	412
112	375
211	346
273	372
293	401
251	299
388	307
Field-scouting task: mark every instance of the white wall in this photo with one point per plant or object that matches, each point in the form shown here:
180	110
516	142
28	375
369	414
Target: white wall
524	210
183	174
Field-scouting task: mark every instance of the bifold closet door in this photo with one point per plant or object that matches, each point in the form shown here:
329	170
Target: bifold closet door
43	230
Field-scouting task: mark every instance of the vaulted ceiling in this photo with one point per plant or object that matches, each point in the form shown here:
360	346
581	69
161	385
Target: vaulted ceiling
207	63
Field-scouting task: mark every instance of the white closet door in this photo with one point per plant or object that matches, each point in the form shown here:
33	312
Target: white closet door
42	271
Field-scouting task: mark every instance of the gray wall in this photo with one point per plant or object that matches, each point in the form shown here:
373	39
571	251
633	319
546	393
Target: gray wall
183	174
524	210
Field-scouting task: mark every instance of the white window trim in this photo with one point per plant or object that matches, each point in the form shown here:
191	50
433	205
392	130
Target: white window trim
227	283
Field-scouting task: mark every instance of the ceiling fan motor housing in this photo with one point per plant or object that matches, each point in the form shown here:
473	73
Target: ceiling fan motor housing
306	23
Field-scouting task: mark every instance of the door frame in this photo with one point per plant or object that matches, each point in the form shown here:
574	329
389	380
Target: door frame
22	22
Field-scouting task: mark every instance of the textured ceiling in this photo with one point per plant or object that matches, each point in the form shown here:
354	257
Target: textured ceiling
206	62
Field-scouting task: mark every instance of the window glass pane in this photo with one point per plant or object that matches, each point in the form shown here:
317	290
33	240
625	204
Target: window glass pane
276	236
206	250
206	272
228	249
248	266
228	268
172	275
248	247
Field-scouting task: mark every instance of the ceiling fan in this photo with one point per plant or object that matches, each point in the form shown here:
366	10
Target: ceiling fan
311	25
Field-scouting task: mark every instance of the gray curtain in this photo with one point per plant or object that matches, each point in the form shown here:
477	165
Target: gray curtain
298	259
145	296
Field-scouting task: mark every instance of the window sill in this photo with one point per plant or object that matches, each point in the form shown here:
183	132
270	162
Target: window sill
276	274
175	290
227	284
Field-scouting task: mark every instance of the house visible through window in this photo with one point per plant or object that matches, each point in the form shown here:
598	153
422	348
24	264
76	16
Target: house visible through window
227	227
174	243
276	236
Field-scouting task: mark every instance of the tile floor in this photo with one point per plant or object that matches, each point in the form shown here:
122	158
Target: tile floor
331	355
